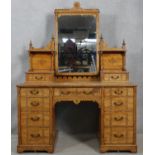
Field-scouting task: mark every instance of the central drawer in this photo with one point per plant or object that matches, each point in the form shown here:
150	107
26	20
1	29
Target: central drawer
77	92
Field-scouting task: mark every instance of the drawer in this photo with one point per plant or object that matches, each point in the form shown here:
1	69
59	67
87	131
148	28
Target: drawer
35	119
118	91
115	77
38	77
118	135
76	91
118	103
118	118
35	104
34	92
35	136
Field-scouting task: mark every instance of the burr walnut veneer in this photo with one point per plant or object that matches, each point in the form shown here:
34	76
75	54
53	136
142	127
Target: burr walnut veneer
44	87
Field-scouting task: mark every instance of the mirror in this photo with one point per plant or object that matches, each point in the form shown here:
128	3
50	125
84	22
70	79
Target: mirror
77	40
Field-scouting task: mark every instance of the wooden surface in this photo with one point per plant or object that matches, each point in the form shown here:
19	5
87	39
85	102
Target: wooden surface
109	88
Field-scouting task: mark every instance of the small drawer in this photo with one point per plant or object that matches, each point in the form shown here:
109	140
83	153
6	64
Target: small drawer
118	135
34	92
38	77
118	103
35	136
115	77
119	91
118	118
35	119
64	91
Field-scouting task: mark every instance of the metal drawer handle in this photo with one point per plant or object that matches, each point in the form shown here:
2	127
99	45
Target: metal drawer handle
36	118
118	92
88	93
34	92
115	77
38	77
34	103
118	103
35	135
118	136
65	93
118	118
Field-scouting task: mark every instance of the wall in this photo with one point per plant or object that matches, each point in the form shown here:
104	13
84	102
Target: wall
34	20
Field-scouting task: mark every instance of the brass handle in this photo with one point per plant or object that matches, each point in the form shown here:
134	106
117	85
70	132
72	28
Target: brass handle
65	93
118	118
38	77
87	93
35	135
36	118
118	103
118	136
34	92
118	92
34	103
115	77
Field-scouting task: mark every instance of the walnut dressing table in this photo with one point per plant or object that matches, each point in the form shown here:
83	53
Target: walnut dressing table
76	65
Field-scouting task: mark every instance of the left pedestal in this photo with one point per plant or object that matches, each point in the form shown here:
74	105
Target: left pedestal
35	119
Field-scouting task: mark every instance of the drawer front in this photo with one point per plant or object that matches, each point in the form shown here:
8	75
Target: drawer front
115	77
118	118
118	91
35	119
35	136
35	104
34	92
118	103
77	91
118	135
38	77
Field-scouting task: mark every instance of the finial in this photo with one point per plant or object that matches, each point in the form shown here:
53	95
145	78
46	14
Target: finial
123	44
76	5
52	36
30	44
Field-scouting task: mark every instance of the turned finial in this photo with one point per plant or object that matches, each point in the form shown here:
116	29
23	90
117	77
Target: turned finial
30	44
52	37
123	44
76	5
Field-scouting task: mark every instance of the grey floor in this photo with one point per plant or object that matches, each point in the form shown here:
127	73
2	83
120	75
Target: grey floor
83	144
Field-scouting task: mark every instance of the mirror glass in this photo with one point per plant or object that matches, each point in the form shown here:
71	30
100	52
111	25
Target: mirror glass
77	43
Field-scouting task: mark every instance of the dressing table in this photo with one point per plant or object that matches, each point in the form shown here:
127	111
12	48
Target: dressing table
77	65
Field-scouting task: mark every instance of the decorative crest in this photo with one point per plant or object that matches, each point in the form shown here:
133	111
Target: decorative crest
76	5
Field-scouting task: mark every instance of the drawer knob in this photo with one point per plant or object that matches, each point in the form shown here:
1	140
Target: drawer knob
118	118
118	103
118	136
115	77
35	135
118	92
38	77
36	118
35	103
34	92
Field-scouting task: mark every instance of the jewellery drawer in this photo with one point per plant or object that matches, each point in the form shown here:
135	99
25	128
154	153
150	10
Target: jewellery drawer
118	118
35	104
35	136
35	119
118	103
119	91
115	77
34	92
38	77
118	135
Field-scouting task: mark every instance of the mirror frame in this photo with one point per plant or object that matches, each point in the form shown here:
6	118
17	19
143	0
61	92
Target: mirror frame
76	10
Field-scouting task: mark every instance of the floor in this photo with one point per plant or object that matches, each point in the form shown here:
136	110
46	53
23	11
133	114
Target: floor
83	144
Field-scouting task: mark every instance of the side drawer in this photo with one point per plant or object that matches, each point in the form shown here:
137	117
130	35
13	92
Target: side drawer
35	136
34	92
118	135
115	76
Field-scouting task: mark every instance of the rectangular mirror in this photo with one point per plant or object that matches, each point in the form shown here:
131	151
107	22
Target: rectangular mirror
77	39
